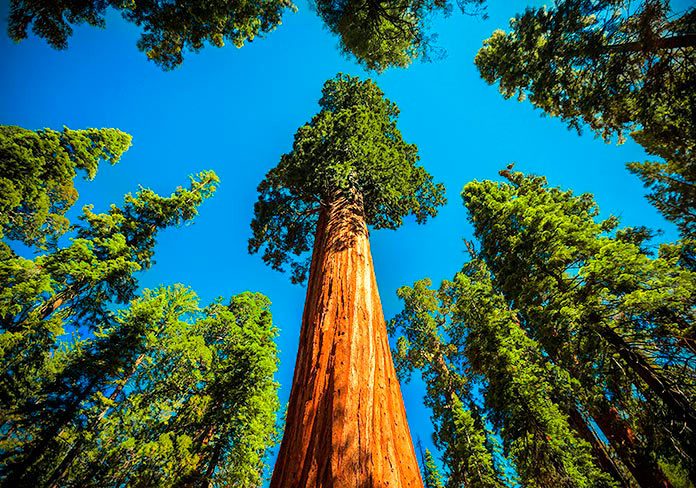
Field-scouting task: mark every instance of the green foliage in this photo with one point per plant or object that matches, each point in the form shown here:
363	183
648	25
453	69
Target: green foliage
168	394
386	34
155	394
488	345
606	63
617	67
521	388
431	474
671	181
169	28
37	169
159	393
48	303
619	321
350	149
459	431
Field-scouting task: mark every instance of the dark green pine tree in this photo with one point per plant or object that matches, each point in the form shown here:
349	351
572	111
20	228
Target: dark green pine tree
169	29
617	319
459	428
522	387
37	169
617	67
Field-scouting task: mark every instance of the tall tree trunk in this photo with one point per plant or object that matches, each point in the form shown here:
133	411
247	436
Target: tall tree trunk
20	472
346	423
655	44
599	449
676	401
641	465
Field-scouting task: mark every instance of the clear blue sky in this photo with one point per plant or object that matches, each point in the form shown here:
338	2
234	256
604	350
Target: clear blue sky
236	110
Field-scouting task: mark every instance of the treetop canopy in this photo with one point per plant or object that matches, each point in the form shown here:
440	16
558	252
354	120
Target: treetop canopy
169	28
353	149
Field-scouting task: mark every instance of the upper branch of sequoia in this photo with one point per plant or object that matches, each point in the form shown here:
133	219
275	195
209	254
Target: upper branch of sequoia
351	149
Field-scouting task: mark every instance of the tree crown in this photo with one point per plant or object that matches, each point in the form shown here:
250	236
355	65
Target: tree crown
37	172
351	149
169	28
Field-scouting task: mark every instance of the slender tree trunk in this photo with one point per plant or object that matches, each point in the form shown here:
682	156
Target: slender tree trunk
18	473
661	43
660	386
599	449
346	423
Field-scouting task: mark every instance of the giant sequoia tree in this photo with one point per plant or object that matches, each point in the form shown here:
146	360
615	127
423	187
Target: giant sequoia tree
169	28
349	168
616	66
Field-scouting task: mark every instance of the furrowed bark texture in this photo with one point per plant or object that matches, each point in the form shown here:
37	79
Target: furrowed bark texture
346	423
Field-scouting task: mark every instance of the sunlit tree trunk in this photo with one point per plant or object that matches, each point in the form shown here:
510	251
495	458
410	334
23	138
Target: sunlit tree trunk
346	423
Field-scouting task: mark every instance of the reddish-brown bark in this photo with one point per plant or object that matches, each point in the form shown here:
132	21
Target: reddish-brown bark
622	438
346	423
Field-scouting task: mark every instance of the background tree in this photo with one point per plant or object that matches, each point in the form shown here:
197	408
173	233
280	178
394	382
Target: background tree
618	320
497	357
70	291
179	397
70	288
159	393
383	34
169	28
617	67
201	407
431	474
349	168
459	428
37	169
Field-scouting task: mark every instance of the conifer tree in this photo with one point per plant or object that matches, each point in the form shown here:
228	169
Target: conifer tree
170	29
618	67
518	385
618	320
199	409
431	474
37	169
383	34
73	288
459	431
41	298
159	393
349	168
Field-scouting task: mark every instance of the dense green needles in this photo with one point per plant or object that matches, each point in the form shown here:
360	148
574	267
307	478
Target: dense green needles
170	29
351	149
159	392
569	327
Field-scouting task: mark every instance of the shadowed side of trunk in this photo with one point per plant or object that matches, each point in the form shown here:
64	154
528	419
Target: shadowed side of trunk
346	423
